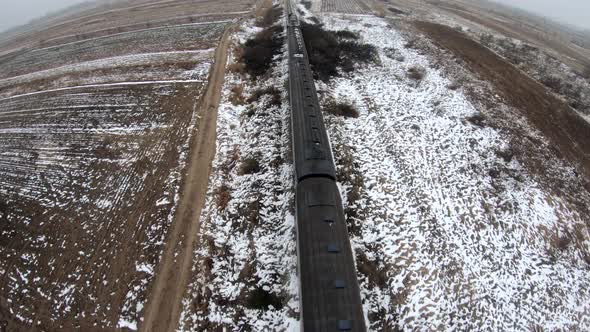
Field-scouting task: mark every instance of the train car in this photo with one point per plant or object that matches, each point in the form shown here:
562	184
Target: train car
329	291
311	145
330	296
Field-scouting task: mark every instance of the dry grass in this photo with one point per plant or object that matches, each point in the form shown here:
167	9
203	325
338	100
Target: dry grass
269	16
249	166
477	119
237	95
273	92
236	67
506	154
377	277
258	52
222	197
341	109
416	73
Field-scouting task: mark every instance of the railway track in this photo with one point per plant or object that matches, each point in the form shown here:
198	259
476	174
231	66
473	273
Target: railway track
329	291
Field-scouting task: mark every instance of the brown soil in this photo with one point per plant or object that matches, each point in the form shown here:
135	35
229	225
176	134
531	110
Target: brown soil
113	241
163	306
155	71
566	131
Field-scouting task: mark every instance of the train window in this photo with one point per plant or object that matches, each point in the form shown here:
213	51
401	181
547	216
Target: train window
339	283
314	123
344	325
315	136
333	248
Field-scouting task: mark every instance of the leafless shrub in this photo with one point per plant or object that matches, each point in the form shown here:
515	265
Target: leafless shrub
3	208
249	166
341	109
396	11
454	85
349	173
390	52
250	111
486	39
314	20
506	154
561	242
346	34
222	197
258	51
376	276
329	49
262	300
270	16
107	150
411	43
477	119
551	81
416	73
236	67
237	94
273	92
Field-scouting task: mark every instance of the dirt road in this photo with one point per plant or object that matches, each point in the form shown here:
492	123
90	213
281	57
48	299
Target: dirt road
163	306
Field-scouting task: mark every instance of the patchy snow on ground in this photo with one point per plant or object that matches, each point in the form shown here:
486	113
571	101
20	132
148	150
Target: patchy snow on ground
557	77
96	171
449	234
244	273
124	64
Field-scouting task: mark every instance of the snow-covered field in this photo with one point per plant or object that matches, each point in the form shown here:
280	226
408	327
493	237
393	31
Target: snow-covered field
450	231
89	180
162	66
244	273
91	158
183	37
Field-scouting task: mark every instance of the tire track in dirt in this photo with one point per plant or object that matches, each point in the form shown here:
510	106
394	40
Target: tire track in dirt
164	302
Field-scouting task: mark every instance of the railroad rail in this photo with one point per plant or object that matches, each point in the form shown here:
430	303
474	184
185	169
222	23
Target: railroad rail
329	291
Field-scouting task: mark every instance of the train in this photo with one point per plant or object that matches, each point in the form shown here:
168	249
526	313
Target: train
329	291
311	146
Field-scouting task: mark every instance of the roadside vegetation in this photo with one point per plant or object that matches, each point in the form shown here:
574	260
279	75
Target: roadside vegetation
340	109
556	76
331	51
246	259
257	53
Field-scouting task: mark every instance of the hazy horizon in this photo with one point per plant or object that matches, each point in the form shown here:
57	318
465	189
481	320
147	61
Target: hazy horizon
21	12
572	12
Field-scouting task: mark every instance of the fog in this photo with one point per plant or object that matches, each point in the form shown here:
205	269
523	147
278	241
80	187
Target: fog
19	12
573	12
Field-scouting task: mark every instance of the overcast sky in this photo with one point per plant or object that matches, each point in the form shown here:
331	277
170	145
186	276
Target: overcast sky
19	12
576	12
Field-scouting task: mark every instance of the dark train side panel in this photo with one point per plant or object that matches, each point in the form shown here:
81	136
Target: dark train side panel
330	296
311	146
